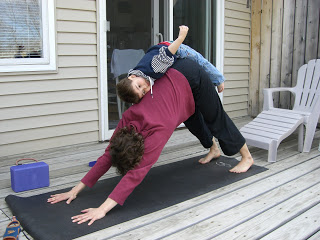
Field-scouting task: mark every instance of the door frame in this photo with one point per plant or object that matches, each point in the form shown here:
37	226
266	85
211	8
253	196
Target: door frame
104	132
102	28
220	39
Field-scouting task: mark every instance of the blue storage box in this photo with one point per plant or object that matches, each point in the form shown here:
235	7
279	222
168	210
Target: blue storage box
29	176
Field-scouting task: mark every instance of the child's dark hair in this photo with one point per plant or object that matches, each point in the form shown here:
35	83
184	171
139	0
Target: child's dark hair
126	149
125	91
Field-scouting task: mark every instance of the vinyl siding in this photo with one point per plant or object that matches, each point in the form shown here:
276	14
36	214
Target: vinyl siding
236	57
48	110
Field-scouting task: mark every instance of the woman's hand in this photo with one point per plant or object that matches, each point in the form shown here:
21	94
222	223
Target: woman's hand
93	214
90	214
69	196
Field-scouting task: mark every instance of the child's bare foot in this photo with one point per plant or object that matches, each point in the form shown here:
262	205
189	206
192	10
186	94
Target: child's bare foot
243	165
213	153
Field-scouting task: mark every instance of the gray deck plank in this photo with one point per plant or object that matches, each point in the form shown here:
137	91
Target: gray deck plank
315	236
276	215
210	205
300	226
277	199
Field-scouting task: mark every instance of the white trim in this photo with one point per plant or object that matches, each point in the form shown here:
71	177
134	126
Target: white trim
154	22
220	38
48	63
170	20
208	25
102	70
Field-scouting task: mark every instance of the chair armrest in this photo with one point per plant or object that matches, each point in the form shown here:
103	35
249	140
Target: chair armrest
267	96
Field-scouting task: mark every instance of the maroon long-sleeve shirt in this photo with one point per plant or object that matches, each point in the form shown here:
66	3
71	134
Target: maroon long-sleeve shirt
155	119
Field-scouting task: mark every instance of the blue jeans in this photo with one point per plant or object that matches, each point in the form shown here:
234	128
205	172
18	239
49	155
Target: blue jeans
185	51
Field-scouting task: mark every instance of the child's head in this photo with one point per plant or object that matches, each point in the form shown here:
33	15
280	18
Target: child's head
131	89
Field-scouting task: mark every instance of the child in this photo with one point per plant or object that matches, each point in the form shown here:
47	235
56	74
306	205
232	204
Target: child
156	62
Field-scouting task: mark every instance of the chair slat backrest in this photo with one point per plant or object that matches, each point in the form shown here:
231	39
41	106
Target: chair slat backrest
125	59
308	86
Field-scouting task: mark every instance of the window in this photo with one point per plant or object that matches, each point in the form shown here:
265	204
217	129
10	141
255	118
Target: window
27	35
199	16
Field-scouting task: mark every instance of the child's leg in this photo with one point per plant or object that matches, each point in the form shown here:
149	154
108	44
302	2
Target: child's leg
185	51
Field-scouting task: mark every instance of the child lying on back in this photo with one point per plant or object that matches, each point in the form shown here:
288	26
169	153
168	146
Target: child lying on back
156	62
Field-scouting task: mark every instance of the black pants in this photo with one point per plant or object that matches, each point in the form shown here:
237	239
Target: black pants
209	118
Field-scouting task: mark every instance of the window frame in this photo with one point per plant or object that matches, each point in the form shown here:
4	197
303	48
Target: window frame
46	63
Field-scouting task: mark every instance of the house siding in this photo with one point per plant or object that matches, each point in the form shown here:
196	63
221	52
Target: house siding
236	57
41	111
53	109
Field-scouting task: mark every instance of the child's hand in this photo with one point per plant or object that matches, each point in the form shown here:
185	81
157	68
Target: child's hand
183	32
221	87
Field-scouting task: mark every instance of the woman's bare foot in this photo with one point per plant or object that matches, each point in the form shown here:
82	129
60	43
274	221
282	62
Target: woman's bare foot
243	165
213	153
246	161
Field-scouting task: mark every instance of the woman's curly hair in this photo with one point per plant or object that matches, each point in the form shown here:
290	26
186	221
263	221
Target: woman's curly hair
126	149
125	91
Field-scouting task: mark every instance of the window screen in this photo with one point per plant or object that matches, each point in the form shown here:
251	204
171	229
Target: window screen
20	29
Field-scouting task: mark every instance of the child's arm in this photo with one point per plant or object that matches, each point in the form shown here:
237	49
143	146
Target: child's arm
165	58
173	48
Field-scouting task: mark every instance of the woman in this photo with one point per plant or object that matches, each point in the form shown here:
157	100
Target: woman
184	94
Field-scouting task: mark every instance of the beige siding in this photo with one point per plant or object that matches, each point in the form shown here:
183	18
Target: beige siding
40	111
48	110
236	57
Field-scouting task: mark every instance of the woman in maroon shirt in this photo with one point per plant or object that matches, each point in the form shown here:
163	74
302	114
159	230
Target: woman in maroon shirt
184	94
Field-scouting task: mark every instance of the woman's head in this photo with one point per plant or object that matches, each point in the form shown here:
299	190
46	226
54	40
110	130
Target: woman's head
131	89
126	149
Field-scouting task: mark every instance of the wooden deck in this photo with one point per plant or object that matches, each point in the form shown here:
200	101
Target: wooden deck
281	203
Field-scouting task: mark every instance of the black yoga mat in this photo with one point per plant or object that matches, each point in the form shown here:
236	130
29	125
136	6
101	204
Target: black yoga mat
164	186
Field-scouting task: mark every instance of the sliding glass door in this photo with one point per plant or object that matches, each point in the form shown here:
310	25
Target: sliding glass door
131	27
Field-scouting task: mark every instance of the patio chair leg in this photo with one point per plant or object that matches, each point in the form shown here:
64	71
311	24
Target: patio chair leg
300	137
272	153
310	131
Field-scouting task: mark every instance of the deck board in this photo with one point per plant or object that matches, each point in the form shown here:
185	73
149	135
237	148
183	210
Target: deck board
300	226
315	236
281	203
192	213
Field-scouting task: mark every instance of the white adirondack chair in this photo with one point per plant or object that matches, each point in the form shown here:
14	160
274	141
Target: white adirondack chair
273	125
